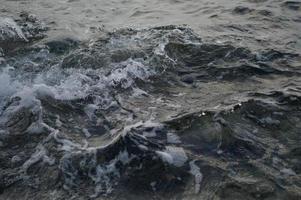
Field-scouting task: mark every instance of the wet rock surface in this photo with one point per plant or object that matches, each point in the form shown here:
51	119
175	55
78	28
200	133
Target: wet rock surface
149	113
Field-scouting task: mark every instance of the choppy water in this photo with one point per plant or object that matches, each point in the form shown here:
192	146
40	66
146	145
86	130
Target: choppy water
104	100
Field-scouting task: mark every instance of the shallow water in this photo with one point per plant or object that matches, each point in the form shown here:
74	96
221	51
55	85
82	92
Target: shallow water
122	100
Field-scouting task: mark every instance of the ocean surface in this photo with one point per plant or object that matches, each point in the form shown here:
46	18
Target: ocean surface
140	99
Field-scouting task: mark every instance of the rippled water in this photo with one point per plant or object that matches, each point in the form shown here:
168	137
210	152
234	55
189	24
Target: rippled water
104	100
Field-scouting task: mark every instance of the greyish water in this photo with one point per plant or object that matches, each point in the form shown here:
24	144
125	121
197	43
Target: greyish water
150	99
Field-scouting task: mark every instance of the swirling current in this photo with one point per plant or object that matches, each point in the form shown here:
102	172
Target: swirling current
150	112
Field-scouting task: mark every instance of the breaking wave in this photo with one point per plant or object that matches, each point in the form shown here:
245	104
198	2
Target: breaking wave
150	111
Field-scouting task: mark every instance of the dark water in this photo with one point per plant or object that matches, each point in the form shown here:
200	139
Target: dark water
152	112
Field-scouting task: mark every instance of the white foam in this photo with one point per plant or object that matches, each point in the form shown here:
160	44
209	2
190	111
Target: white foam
67	145
39	155
137	92
198	176
86	132
9	30
173	155
288	172
173	138
166	157
58	122
7	86
105	174
127	72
